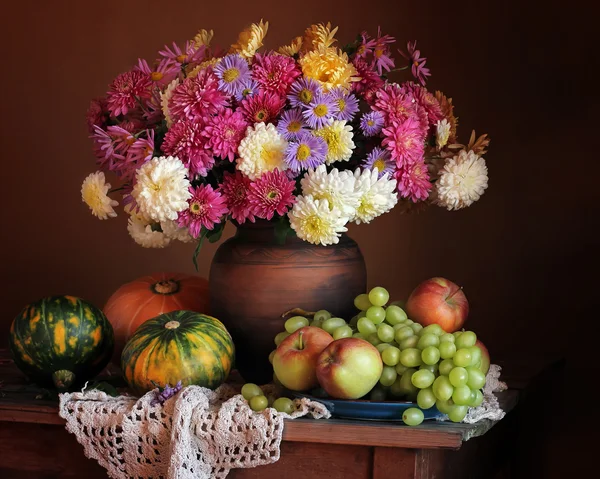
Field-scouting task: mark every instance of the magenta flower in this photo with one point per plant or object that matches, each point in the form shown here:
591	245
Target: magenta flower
126	91
371	123
206	208
97	114
413	181
224	132
380	159
235	188
111	147
426	101
303	92
366	47
395	102
370	82
189	54
320	110
185	141
416	62
346	102
233	72
163	72
196	97
308	151
262	107
275	73
291	124
141	151
381	53
405	141
271	193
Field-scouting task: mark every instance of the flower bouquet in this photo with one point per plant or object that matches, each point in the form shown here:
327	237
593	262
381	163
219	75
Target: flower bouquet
311	136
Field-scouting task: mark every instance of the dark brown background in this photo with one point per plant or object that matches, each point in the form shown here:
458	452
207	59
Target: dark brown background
515	70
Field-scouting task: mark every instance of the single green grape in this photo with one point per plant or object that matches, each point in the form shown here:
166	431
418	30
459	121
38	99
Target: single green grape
476	378
408	322
442	388
295	323
382	346
456	334
398	326
461	395
434	329
447	337
434	368
411	357
378	394
430	355
403	333
390	356
400	368
376	314
444	405
422	378
249	390
410	342
426	399
284	405
395	315
476	398
374	339
331	324
399	302
271	354
258	403
457	413
466	340
353	321
365	326
388	376
316	323
362	302
416	327
445	366
458	376
342	332
428	339
385	333
359	336
322	315
379	296
412	416
406	386
475	355
447	349
280	337
462	358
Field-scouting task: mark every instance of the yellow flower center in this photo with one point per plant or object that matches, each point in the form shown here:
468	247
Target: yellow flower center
370	122
378	52
379	163
303	152
305	96
341	104
272	194
246	91
270	157
361	50
181	58
156	76
260	115
231	75
196	208
416	63
313	226
321	110
294	126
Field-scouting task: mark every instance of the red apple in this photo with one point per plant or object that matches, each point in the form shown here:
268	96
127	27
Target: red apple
485	357
349	368
295	359
438	301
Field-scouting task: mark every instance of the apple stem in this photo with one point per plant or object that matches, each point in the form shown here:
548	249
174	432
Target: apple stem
300	344
460	287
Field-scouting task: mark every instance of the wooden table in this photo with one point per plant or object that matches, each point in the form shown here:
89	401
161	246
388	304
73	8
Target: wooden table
34	443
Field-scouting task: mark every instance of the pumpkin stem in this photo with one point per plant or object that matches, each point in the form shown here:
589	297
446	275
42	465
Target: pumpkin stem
63	379
169	286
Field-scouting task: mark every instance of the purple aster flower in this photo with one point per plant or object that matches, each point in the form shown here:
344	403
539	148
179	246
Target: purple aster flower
320	110
371	123
380	159
308	152
248	88
291	124
417	63
232	70
303	92
346	102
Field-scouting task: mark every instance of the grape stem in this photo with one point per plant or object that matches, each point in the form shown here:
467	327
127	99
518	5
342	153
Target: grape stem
299	312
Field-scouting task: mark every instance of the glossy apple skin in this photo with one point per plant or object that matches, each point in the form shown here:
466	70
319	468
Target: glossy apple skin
349	368
485	357
438	301
295	360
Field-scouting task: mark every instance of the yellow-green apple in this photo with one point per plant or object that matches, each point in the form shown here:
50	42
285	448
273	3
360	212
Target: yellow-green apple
349	368
438	301
295	359
484	364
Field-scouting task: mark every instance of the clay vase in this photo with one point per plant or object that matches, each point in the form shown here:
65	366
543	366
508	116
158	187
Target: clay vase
253	281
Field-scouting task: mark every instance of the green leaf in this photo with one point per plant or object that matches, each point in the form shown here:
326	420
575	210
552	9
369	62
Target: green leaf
203	233
105	387
282	230
215	234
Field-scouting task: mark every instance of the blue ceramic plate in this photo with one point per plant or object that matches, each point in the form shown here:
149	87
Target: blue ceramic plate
368	410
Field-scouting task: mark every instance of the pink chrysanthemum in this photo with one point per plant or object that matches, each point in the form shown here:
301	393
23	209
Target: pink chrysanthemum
206	208
224	132
97	114
271	193
185	141
126	90
369	82
189	54
405	141
275	73
235	188
139	153
413	181
163	72
395	102
427	101
111	147
262	107
196	97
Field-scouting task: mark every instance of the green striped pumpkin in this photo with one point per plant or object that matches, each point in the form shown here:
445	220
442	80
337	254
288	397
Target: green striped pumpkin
61	341
178	346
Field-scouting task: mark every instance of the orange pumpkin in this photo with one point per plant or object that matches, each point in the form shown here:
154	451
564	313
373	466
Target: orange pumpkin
149	296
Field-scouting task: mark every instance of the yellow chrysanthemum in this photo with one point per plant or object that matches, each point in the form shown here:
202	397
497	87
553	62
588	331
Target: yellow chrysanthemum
317	37
203	37
197	69
250	40
330	67
293	48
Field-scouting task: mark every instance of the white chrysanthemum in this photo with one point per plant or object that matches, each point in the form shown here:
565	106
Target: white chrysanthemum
165	96
377	195
314	221
463	179
261	150
94	193
175	232
146	234
162	189
442	133
337	187
338	136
